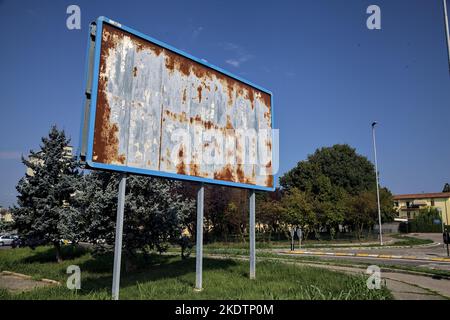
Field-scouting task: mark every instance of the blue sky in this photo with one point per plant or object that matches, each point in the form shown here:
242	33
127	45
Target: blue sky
330	75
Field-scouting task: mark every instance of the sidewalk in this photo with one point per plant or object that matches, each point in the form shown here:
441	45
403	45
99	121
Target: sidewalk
366	255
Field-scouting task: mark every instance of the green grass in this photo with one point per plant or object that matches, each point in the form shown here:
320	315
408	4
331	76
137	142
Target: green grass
169	277
283	244
404	240
329	261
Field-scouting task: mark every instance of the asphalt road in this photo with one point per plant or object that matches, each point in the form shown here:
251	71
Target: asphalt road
437	250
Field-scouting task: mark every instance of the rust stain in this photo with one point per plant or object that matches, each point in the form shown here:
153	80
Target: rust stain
116	35
240	173
134	71
225	174
265	99
176	62
229	124
106	141
186	66
269	144
181	167
251	97
184	95
180	117
195	170
199	90
269	181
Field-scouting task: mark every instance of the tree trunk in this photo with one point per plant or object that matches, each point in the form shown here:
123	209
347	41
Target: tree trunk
58	251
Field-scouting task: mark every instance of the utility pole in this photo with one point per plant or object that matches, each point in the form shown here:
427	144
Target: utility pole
376	177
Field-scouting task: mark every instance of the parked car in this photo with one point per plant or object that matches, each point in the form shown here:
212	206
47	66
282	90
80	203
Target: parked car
17	243
7	240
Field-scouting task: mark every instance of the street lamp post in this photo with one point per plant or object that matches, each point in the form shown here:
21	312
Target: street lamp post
376	177
447	32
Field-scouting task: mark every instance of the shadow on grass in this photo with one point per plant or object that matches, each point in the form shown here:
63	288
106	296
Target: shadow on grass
49	254
157	268
96	269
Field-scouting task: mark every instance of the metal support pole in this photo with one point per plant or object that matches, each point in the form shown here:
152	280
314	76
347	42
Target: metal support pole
446	215
447	32
118	240
252	235
199	245
376	177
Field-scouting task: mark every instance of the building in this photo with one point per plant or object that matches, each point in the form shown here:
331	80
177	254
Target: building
5	215
409	205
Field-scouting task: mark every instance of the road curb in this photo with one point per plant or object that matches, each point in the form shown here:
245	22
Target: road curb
365	255
426	245
20	275
27	277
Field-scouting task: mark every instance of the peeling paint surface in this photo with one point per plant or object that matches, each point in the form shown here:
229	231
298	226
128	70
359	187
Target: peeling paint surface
159	110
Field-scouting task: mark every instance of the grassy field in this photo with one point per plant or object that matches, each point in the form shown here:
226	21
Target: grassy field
169	277
404	240
401	240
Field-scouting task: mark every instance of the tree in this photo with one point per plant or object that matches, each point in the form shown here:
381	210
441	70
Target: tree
446	188
44	192
362	210
333	175
339	163
154	213
269	212
299	211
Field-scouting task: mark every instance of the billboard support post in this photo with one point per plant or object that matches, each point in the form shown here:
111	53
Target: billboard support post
118	240
199	241
252	234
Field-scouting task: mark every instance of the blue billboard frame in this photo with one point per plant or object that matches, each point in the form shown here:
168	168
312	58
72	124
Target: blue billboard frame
93	104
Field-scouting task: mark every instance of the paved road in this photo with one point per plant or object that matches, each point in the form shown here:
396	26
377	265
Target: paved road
405	286
435	251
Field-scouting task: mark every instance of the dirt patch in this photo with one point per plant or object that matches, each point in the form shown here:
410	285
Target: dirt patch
17	283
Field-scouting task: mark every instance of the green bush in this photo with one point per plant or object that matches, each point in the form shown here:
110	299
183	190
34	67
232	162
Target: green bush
423	222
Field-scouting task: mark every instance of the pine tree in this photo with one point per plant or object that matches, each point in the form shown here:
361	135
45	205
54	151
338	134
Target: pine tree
155	212
45	192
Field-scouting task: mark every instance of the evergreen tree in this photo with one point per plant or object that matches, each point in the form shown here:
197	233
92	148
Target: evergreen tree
45	191
155	212
446	188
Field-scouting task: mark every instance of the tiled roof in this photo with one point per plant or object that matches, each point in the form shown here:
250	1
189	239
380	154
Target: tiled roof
422	196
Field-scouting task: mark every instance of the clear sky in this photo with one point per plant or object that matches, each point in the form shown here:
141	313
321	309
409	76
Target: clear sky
330	75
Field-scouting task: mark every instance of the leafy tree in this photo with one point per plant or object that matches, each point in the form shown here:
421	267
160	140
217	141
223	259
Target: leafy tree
44	192
339	163
362	210
299	211
424	221
340	184
269	213
446	188
5	226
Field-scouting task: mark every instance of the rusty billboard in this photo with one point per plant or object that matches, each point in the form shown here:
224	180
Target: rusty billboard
154	110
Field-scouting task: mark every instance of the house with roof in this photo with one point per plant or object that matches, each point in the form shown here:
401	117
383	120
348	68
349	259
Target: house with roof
408	206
